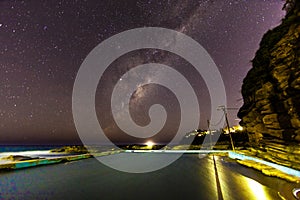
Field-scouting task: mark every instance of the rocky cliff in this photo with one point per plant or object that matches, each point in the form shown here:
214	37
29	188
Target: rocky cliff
271	90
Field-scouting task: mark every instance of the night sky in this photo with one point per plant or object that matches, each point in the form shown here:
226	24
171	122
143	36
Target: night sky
43	44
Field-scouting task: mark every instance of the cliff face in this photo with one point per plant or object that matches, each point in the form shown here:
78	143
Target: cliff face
271	89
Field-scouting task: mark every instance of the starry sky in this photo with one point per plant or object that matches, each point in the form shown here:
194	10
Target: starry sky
43	44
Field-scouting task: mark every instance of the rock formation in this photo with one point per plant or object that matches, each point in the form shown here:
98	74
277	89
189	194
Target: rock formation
271	89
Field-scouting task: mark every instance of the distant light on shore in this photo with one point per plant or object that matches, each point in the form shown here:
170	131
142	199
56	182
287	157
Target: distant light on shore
149	144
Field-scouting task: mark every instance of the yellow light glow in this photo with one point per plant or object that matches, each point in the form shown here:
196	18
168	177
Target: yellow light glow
149	144
240	128
257	189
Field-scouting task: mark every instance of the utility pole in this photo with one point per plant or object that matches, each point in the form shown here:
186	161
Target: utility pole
225	114
209	132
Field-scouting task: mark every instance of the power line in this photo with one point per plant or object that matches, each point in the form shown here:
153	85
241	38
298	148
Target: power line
218	122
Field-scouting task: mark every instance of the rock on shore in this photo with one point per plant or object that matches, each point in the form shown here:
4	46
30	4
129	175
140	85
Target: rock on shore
271	93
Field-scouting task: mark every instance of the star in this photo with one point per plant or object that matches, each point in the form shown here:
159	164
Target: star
43	44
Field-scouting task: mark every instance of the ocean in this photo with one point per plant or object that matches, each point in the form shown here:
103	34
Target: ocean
19	148
38	152
33	151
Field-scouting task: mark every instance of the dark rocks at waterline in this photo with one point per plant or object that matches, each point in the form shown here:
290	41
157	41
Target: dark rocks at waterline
19	158
70	150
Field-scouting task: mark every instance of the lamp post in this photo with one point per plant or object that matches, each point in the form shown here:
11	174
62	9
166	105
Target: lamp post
209	132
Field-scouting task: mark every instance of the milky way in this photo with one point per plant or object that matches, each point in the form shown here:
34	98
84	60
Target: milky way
43	44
